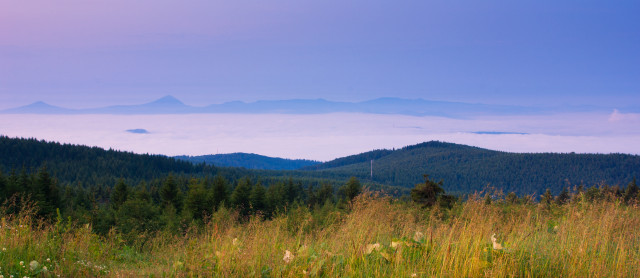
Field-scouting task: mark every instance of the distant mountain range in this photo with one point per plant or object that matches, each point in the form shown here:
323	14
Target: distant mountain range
413	107
249	161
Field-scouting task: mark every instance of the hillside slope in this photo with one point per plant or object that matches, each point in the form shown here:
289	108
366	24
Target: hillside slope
249	161
90	165
468	169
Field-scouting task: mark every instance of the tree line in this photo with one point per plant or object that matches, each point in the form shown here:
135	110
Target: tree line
170	204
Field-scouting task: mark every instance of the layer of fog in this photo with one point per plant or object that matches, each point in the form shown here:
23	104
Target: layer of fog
327	136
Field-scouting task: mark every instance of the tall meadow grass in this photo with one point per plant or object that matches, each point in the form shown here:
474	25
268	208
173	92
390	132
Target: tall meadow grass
376	237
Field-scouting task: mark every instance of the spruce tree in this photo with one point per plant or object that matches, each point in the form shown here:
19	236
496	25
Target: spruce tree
257	198
170	194
197	202
427	193
220	191
120	194
241	196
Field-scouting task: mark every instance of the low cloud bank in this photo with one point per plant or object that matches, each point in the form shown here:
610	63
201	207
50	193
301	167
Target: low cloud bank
327	136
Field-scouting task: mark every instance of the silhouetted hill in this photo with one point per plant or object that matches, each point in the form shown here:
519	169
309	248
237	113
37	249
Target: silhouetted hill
249	161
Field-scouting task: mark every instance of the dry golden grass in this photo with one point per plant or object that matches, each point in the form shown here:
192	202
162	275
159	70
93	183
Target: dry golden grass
576	240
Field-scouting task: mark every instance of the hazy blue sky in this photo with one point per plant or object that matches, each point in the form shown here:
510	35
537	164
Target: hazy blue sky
78	53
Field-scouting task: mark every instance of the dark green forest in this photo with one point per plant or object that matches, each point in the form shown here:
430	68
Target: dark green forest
249	161
464	169
468	169
137	194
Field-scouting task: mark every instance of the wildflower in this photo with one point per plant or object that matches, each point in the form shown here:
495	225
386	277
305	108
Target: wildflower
21	262
496	245
414	275
33	265
396	244
372	247
178	264
4	249
1	276
48	260
418	236
234	241
288	256
44	268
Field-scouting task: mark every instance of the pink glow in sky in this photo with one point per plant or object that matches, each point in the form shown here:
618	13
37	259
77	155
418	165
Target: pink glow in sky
328	136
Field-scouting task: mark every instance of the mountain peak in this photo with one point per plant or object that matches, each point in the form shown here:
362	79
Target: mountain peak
37	108
167	100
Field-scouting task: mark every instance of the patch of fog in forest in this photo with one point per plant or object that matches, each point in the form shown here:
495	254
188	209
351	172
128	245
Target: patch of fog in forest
327	136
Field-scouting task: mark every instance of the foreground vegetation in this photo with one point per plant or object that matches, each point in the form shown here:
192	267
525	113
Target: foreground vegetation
372	235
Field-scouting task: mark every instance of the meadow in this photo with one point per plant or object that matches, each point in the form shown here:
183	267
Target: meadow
374	236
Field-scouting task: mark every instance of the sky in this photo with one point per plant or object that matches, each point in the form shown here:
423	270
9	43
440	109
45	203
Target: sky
80	54
87	54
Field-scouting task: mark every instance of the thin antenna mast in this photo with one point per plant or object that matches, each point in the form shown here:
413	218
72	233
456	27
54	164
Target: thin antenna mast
372	169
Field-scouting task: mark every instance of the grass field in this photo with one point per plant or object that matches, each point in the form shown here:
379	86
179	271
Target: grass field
375	237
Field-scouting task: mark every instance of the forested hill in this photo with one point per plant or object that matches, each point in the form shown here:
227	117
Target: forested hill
468	169
463	169
249	161
90	165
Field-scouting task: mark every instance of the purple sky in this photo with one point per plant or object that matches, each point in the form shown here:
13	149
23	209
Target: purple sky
77	54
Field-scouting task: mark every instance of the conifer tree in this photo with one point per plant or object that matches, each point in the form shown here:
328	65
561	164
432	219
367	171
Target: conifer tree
220	191
352	188
120	194
257	198
427	193
170	194
197	202
241	196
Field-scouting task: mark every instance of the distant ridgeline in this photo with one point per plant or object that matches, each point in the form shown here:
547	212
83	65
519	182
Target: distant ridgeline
467	169
249	161
463	169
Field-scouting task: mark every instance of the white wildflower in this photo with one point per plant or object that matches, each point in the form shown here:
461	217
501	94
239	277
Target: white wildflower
48	260
33	265
288	256
418	236
234	241
396	244
496	245
21	262
44	268
372	247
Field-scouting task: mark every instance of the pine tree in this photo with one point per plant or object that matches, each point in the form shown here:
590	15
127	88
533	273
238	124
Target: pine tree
170	194
120	194
197	202
257	198
241	196
427	193
220	191
352	188
45	193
